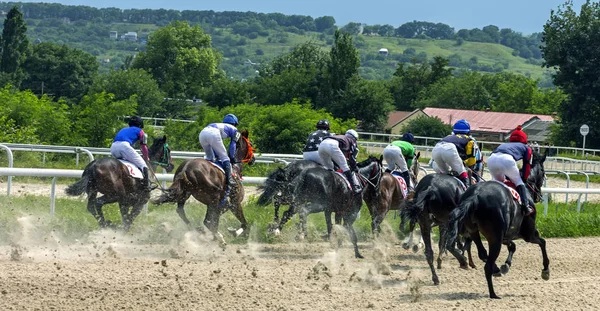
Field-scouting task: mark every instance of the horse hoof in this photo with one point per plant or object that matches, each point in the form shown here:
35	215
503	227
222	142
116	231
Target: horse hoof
405	246
494	297
359	256
415	248
504	269
463	266
277	232
546	275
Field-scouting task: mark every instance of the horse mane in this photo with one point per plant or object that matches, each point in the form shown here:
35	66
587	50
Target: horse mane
537	158
368	161
156	145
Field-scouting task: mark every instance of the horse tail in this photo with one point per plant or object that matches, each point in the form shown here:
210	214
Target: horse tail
414	208
175	191
458	216
82	184
272	186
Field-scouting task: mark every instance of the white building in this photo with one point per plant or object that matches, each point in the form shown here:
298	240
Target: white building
114	35
130	36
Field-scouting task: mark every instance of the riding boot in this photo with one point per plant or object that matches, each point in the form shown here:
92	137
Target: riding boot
524	200
228	176
406	177
146	181
353	183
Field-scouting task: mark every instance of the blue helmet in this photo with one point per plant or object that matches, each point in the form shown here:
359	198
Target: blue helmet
462	127
409	137
231	119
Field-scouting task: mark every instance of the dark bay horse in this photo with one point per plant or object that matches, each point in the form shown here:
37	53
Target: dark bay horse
204	181
277	187
388	196
111	178
319	190
435	197
490	209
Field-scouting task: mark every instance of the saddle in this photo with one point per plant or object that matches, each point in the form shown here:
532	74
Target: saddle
133	170
402	182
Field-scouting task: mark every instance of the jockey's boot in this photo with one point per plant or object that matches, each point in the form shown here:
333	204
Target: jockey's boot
146	181
406	177
228	176
355	187
525	201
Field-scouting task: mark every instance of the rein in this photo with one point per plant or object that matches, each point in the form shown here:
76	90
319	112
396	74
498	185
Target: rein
165	157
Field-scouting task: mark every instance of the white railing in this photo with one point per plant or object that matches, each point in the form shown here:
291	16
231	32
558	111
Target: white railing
61	173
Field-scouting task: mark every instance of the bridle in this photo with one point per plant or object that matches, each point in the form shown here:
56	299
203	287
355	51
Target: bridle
166	157
535	190
248	158
375	173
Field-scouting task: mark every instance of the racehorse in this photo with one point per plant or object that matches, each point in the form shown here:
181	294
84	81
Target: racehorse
435	197
112	178
206	182
318	190
389	195
489	208
277	187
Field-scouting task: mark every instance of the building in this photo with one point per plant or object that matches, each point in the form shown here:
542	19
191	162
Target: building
398	119
130	36
383	51
114	35
495	126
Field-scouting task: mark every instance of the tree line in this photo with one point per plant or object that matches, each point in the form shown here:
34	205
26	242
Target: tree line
279	106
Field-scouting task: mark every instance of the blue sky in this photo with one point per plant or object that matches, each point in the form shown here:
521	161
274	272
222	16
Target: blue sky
526	16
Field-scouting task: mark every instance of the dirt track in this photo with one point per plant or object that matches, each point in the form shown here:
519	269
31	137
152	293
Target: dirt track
113	272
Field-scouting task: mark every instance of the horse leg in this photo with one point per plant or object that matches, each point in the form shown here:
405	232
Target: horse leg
303	230
495	247
91	206
467	247
276	205
481	252
441	245
287	215
99	202
239	214
426	234
511	251
348	224
453	250
545	261
211	221
329	224
124	209
133	214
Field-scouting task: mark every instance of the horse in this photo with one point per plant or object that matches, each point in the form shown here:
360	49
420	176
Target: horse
112	178
318	190
389	195
277	187
435	197
490	209
206	183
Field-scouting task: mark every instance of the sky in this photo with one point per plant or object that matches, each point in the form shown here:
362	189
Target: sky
526	16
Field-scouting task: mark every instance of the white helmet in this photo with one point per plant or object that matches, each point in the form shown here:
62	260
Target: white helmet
352	133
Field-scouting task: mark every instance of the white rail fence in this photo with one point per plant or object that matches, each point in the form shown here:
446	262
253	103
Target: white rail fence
61	173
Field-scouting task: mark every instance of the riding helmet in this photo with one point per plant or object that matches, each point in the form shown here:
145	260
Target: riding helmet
231	119
352	133
409	137
518	136
136	121
462	127
323	125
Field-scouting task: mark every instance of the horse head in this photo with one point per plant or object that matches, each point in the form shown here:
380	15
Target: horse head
371	170
536	178
414	168
244	152
160	154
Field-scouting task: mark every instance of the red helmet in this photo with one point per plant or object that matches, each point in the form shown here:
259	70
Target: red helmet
518	136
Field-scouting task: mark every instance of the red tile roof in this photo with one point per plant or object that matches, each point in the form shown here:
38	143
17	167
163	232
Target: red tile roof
397	116
485	121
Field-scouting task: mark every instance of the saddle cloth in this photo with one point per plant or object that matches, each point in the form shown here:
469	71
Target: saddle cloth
402	182
510	186
220	167
344	178
217	166
133	170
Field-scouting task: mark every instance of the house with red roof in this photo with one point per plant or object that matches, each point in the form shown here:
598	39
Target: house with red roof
398	119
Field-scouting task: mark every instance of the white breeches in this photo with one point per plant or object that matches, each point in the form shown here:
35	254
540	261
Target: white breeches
394	158
123	150
212	144
312	156
446	157
329	151
501	165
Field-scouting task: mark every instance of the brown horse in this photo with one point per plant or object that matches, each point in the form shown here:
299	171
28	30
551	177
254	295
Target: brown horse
388	196
201	179
111	178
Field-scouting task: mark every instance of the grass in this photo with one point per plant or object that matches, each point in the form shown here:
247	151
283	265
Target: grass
564	221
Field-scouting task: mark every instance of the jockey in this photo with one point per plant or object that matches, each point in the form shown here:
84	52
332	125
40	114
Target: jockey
311	150
211	139
478	167
122	147
503	163
338	148
455	148
400	154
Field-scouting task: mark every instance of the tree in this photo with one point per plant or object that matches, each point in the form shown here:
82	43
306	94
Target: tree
134	84
225	92
569	47
59	71
427	126
180	58
324	23
367	101
14	46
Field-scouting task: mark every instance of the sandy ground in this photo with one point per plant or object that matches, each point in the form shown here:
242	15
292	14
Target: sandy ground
112	272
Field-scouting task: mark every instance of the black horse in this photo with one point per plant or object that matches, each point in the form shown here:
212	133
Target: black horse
435	197
277	187
318	190
111	178
490	209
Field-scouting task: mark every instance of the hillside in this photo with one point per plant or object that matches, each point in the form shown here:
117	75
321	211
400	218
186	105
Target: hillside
247	41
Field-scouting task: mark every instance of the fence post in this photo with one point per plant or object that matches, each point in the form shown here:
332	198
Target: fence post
10	165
